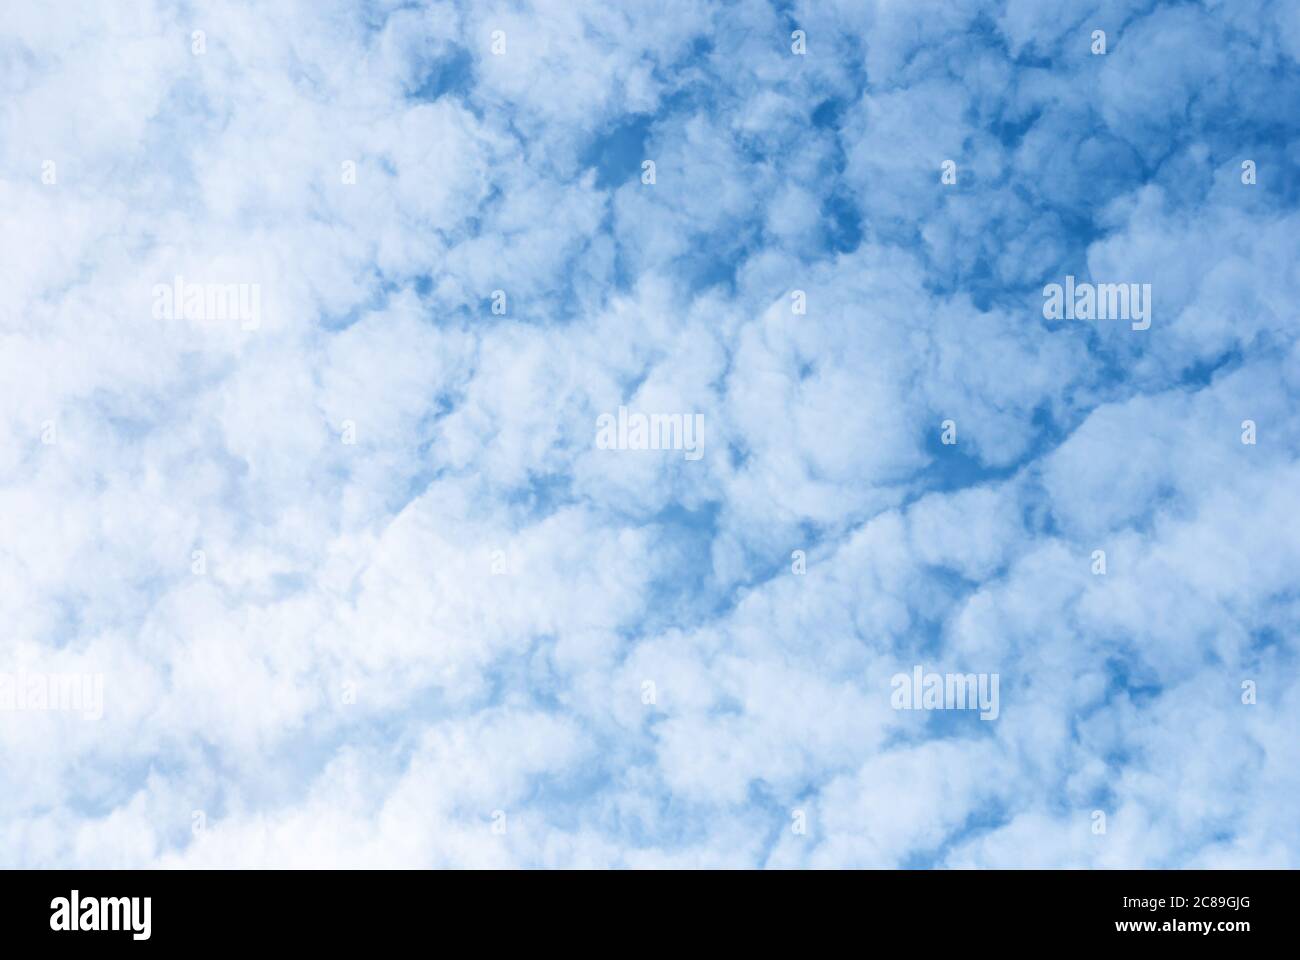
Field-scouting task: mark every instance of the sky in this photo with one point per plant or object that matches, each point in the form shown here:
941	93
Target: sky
362	588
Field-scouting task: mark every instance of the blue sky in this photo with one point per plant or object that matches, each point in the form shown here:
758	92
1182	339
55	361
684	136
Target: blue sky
429	603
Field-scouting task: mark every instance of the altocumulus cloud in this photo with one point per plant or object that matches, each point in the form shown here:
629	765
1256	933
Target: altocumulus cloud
363	589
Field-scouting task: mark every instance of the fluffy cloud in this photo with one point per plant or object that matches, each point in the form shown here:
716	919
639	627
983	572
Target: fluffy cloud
364	590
